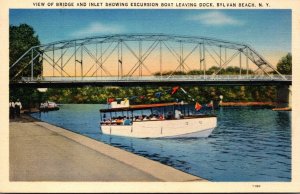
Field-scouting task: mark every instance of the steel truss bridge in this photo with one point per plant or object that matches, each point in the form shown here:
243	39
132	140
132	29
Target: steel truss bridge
138	59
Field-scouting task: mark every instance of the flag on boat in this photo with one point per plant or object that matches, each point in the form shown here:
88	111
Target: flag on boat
110	100
198	106
125	100
174	90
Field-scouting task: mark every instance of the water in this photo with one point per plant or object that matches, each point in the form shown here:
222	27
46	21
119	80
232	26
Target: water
249	144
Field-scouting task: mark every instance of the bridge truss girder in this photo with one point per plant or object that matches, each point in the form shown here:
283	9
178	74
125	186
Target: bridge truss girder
54	54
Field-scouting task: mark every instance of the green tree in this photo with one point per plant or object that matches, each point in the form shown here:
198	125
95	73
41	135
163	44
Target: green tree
284	66
21	39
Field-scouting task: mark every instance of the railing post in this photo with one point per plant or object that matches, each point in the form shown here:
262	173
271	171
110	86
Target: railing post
247	62
75	57
160	58
101	55
61	62
181	57
118	63
220	56
31	64
121	59
96	65
140	59
204	60
200	55
240	64
53	60
81	61
225	58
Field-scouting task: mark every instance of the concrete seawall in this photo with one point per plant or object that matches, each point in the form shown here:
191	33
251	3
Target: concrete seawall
39	151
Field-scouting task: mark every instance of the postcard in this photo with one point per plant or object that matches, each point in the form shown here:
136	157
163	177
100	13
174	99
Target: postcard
149	96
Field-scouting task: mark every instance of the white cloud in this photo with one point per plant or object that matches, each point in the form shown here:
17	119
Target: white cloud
215	18
97	28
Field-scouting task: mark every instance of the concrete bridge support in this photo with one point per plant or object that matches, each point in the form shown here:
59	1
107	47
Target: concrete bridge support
284	96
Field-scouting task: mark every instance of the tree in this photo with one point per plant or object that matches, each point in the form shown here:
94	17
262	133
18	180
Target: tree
284	66
21	39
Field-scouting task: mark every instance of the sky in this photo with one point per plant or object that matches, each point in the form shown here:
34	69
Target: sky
267	31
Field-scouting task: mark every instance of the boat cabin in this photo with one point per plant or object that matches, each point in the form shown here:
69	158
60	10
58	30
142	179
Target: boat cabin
124	114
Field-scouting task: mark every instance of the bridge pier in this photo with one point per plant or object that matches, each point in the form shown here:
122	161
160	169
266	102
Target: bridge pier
284	96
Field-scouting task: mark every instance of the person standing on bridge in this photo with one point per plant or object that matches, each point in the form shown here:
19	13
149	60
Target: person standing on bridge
18	107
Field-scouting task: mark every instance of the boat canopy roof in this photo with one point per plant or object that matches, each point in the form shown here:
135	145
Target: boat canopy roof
140	107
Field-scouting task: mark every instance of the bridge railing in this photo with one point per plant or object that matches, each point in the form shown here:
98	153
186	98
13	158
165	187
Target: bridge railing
160	78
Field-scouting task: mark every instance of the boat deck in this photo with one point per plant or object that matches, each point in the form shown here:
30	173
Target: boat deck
148	120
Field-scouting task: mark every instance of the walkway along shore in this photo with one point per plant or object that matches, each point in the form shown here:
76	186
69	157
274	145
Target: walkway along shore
39	151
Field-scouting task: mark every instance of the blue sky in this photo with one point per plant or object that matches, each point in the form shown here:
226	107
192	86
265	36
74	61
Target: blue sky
265	30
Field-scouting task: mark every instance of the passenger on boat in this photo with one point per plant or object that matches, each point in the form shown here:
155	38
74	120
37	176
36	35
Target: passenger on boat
127	121
107	122
169	115
138	118
178	114
146	118
153	117
161	117
114	121
119	121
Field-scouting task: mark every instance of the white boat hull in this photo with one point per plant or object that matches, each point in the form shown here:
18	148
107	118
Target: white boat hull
181	128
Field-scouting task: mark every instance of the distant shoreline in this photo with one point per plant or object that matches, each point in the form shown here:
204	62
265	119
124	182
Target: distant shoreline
223	104
271	104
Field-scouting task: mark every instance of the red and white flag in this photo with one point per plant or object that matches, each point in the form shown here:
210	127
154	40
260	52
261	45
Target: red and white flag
198	106
175	89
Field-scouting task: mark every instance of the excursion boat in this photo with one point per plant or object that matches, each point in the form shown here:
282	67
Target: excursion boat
164	120
48	106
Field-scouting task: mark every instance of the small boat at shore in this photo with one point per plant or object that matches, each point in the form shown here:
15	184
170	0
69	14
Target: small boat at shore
282	109
48	106
163	120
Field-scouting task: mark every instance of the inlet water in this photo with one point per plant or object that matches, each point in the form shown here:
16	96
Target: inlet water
249	144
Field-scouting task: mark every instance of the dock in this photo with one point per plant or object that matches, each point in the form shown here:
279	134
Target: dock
39	151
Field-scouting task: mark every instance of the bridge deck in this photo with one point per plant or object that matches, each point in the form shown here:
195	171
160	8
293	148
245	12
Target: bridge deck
154	80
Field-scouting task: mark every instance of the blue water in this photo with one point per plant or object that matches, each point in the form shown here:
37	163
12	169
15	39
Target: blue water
249	144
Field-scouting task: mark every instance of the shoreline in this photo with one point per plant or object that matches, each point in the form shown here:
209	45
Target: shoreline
40	151
223	104
270	104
